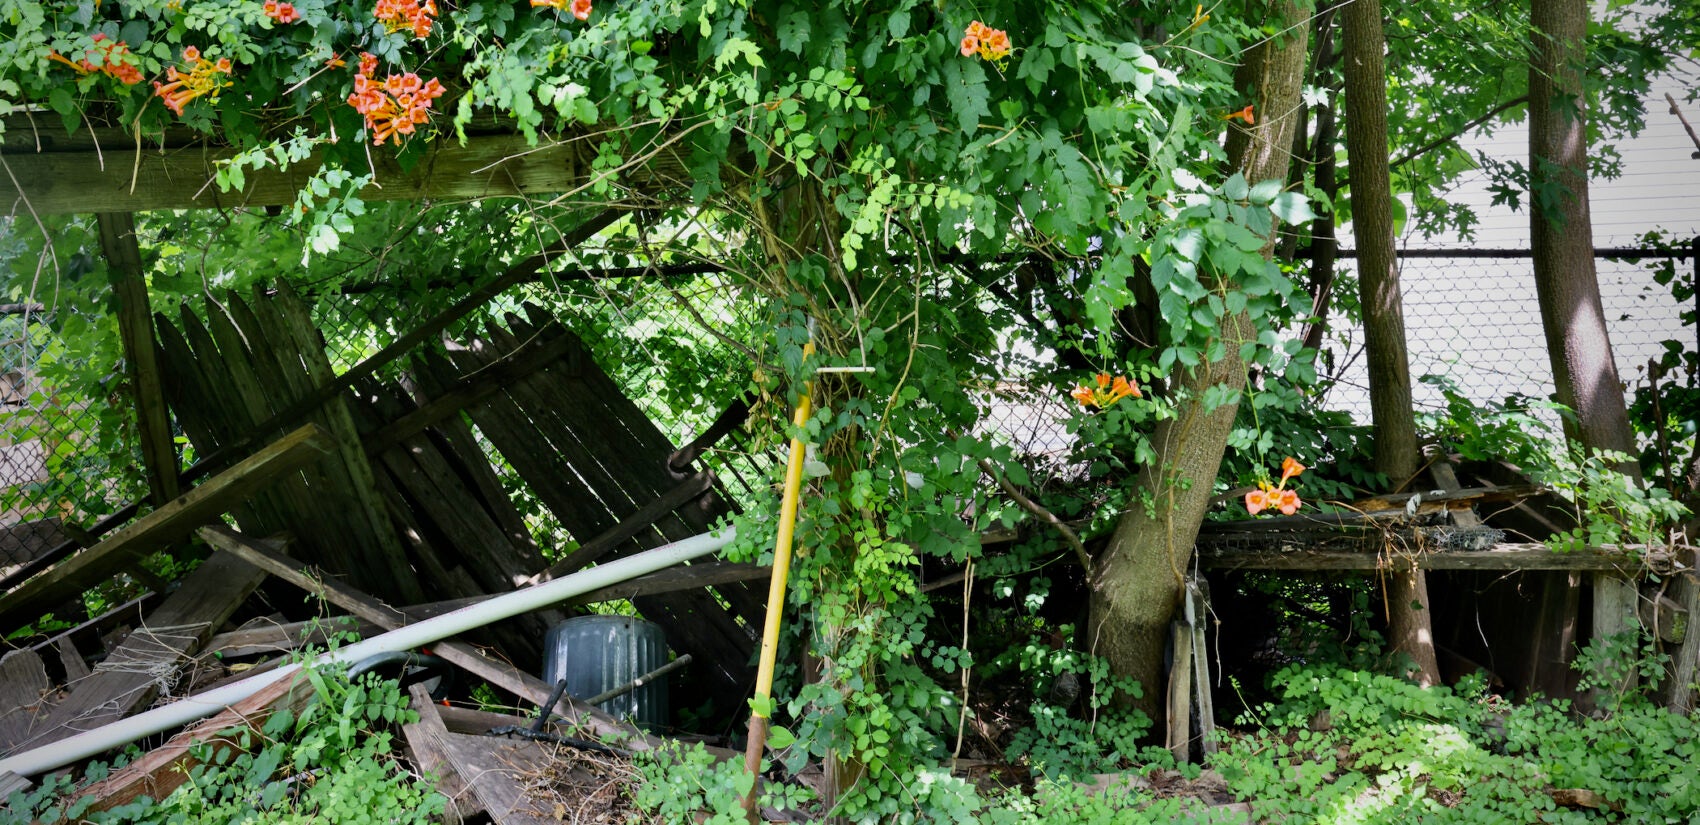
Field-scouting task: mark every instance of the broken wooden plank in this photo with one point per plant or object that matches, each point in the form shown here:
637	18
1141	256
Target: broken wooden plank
1502	557
591	551
71	660
266	555
273	637
165	525
135	326
496	769
427	738
133	673
470	389
23	688
160	771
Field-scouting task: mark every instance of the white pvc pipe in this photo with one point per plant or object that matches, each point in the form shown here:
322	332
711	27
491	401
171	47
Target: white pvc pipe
182	712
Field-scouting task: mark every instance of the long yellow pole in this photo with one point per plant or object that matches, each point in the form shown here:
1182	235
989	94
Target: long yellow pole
776	597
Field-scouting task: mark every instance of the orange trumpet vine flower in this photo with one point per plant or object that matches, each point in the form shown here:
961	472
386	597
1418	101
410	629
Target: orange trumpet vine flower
202	77
111	59
1276	496
985	41
1243	114
1107	392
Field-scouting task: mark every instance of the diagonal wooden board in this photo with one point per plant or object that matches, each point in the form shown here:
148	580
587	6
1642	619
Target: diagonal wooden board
161	527
132	674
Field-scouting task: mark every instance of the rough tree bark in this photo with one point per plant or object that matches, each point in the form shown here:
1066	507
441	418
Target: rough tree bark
1584	372
1409	627
1138	580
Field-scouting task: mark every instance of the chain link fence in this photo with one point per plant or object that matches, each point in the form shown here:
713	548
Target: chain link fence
1471	316
60	421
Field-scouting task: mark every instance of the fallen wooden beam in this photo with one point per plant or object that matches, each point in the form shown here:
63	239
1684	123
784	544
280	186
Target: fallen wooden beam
160	771
132	674
161	527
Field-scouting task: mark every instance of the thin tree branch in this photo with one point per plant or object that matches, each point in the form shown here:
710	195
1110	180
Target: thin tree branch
1445	139
1038	510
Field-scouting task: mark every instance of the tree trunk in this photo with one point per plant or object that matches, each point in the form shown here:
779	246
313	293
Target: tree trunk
1408	620
1583	369
1139	577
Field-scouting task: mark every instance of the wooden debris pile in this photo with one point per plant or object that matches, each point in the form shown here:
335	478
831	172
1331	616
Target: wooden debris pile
339	496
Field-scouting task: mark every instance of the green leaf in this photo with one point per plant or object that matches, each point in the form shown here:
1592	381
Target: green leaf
794	31
1236	189
898	24
1264	192
779	737
1292	207
61	101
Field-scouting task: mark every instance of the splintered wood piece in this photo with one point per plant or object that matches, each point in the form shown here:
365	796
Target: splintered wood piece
23	690
426	738
132	674
161	527
160	771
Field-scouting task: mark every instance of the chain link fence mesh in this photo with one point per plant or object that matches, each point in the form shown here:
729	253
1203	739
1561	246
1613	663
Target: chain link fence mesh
1469	317
1474	320
56	436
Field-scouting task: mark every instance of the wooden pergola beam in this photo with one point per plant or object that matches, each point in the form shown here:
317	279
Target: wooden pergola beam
56	172
1505	557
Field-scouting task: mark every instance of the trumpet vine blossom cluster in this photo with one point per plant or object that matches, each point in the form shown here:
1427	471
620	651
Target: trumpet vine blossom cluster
395	107
1276	496
1107	392
281	12
580	8
198	77
985	41
406	15
111	59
